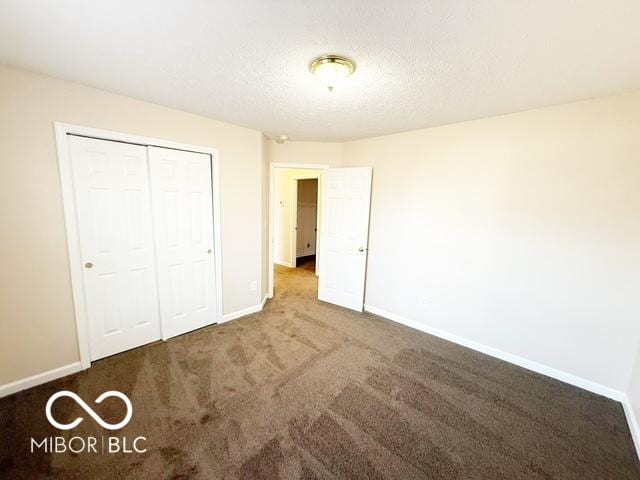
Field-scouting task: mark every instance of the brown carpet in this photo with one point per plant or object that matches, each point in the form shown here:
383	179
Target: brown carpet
306	390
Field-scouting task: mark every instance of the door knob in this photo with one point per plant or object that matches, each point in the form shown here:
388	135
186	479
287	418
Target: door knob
361	249
209	251
88	265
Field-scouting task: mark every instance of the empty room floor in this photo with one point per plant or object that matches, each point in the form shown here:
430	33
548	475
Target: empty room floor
308	390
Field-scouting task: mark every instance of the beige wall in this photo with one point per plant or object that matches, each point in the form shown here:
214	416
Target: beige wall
36	311
305	152
519	232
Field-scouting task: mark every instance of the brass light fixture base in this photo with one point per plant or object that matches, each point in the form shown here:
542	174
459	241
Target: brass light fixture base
335	65
332	59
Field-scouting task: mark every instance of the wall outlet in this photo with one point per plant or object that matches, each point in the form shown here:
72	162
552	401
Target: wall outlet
424	301
254	285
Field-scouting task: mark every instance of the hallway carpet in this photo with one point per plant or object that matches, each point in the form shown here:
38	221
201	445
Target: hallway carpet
307	390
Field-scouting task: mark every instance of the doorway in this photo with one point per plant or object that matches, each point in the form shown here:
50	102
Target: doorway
295	217
344	197
305	205
295	208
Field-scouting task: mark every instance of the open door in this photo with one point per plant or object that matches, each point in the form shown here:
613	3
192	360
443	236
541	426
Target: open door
346	197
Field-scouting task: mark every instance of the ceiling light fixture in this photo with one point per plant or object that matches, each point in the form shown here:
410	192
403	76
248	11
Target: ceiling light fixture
282	138
331	69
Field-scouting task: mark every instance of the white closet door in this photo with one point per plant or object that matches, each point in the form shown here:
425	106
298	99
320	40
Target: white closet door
183	221
112	197
345	230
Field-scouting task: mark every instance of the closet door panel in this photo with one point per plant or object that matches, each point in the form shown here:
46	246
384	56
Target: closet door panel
183	221
112	197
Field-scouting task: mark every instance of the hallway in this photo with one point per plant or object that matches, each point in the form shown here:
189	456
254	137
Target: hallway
308	390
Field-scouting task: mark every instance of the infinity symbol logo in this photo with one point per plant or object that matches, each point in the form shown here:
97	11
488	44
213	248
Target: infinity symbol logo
89	410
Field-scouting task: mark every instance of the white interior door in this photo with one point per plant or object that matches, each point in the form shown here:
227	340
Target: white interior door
111	187
183	218
346	198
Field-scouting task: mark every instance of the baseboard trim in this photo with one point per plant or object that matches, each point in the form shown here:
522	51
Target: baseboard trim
284	264
56	373
632	420
227	317
39	379
507	357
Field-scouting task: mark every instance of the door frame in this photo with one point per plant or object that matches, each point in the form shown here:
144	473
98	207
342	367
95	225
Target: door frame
293	243
62	130
294	218
272	200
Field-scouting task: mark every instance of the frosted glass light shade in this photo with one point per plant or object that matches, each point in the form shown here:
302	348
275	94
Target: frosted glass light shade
331	69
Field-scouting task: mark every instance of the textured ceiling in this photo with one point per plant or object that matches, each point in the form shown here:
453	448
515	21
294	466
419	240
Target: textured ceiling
419	63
